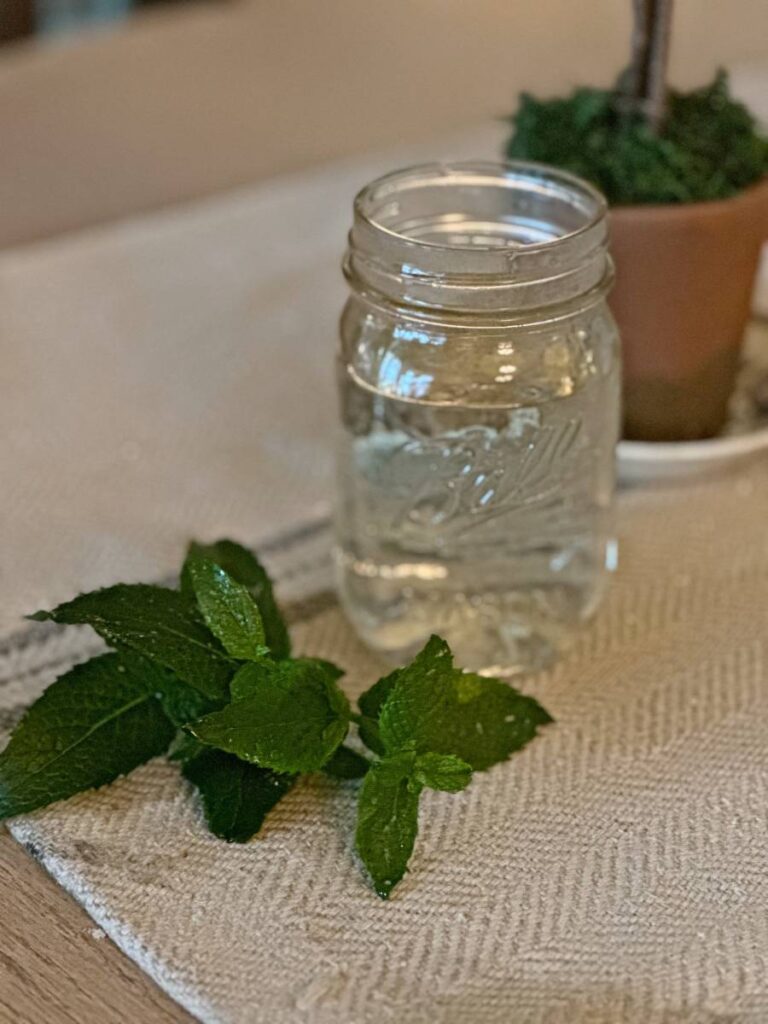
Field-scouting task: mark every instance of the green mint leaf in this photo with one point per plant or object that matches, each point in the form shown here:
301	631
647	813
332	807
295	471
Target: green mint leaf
246	684
184	747
98	721
243	566
181	702
286	715
368	728
346	763
229	611
442	771
236	796
443	710
371	703
163	625
331	670
388	820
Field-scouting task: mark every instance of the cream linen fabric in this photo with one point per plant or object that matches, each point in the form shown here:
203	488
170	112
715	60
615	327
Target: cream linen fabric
171	377
614	871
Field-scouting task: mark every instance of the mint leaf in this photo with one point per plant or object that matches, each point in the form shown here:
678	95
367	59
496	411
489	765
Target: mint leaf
286	715
331	670
160	624
442	771
443	710
243	566
181	702
246	684
236	796
98	721
371	703
229	611
346	763
388	820
368	728
184	747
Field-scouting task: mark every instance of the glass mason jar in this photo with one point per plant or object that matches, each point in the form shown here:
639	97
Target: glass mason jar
479	387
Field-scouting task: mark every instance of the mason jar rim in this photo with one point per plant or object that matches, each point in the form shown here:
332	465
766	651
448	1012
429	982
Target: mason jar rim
479	237
501	170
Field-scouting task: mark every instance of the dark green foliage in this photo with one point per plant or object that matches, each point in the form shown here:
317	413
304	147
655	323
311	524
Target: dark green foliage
160	624
433	725
708	148
228	608
444	772
388	820
236	796
242	565
98	721
286	715
346	763
204	674
442	710
181	702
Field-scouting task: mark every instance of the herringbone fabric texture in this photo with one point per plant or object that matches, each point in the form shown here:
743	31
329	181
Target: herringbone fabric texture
614	871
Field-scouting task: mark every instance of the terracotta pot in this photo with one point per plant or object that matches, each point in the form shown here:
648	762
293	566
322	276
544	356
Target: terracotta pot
684	279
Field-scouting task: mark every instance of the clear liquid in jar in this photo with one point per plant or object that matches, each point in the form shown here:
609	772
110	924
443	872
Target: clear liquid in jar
490	525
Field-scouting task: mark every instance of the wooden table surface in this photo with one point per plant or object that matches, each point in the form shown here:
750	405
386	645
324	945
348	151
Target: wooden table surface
56	967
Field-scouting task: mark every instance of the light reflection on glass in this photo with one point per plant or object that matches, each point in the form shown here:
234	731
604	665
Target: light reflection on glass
394	380
506	373
403	333
403	570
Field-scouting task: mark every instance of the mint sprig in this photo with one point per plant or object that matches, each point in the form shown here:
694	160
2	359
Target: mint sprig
433	725
443	710
204	674
388	809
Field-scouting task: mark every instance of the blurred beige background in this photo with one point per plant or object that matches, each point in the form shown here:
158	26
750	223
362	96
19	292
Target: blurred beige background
188	100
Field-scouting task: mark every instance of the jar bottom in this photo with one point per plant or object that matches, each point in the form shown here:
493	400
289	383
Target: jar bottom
495	629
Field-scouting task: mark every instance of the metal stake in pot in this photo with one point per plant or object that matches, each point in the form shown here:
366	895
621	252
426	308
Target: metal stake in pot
644	82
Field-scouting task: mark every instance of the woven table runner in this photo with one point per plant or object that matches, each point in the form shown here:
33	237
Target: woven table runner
616	870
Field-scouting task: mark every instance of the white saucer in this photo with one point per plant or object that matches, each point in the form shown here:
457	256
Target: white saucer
643	461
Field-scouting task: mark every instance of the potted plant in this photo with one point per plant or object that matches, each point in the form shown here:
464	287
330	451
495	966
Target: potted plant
685	177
